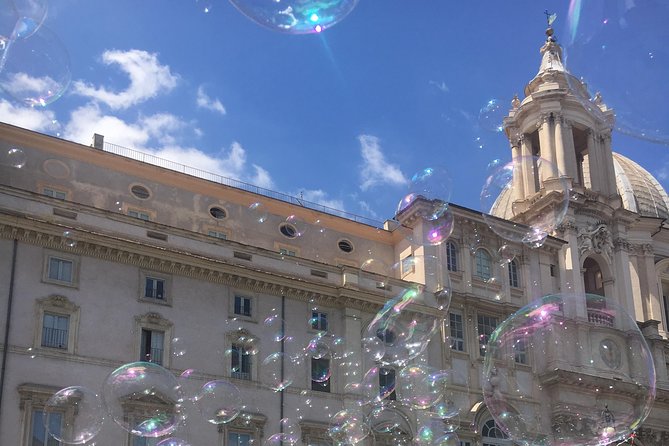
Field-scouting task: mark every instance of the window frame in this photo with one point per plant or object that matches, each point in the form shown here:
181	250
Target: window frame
514	273
54	192
144	276
235	337
32	398
521	353
479	323
217	234
462	345
325	386
451	256
152	321
61	306
392	396
57	317
319	319
249	423
479	256
55	255
252	304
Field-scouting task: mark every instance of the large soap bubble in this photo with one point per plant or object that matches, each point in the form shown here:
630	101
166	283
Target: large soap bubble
20	19
219	401
348	426
628	38
532	216
78	413
296	16
569	370
143	398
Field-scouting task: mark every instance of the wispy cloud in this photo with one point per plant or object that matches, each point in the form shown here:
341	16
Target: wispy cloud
375	169
204	101
441	86
321	197
148	78
39	120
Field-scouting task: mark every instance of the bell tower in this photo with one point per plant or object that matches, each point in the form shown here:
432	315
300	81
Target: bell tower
561	123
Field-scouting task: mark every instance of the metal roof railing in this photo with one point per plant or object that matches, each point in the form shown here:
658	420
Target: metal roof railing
216	178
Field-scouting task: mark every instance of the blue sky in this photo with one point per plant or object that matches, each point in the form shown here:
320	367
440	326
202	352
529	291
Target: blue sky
347	116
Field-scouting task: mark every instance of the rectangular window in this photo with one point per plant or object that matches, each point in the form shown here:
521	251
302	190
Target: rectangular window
408	265
55	330
39	436
513	274
152	347
286	252
221	235
60	269
238	439
50	192
139	214
520	351
553	270
242	306
320	370
451	257
240	362
319	321
486	326
154	288
387	381
457	332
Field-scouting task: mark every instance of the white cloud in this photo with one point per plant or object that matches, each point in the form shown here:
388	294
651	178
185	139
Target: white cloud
204	101
321	197
262	178
87	120
23	85
147	76
35	119
441	86
376	170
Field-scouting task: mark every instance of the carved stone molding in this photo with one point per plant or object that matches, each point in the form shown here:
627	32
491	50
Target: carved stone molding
621	244
595	238
652	437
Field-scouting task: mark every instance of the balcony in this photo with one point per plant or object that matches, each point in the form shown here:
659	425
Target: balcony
600	317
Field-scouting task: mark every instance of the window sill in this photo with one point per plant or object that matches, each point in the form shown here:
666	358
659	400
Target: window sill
152	300
241	317
61	283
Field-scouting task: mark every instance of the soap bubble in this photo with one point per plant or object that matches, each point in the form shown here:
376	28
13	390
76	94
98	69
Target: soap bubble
429	192
178	347
20	19
388	417
295	16
219	401
629	39
172	441
77	412
68	239
141	384
279	439
189	385
276	326
14	157
273	375
294	227
418	387
35	71
436	232
348	427
258	212
531	220
491	116
377	385
506	254
291	430
373	347
569	339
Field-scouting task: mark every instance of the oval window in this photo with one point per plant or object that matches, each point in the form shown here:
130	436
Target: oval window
288	230
218	213
140	192
345	246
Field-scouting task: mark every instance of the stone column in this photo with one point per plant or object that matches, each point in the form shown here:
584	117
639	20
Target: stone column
569	150
546	148
652	305
560	154
594	163
527	165
607	154
635	308
518	182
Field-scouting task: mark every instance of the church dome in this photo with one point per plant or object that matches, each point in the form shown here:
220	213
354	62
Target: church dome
639	190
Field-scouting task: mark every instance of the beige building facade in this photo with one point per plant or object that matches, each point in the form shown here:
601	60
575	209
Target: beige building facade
109	258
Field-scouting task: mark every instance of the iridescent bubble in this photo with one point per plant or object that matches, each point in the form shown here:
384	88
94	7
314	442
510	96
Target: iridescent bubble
506	254
189	385
348	427
20	19
377	385
36	71
373	348
494	165
389	417
449	439
582	336
291	430
491	116
629	39
172	441
276	326
69	240
516	218
219	401
14	157
417	387
318	348
436	232
294	226
271	369
178	347
429	192
296	16
258	212
279	439
144	383
76	412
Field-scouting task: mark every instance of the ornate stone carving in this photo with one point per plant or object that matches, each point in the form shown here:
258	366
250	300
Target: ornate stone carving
595	238
620	244
651	437
515	102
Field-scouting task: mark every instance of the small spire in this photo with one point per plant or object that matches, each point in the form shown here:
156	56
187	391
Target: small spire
515	102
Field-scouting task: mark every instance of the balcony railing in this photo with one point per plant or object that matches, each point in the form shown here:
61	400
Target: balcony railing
599	317
54	337
167	164
241	375
155	356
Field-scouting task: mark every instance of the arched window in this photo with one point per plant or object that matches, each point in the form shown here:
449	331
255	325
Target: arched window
483	264
514	281
451	256
492	435
592	277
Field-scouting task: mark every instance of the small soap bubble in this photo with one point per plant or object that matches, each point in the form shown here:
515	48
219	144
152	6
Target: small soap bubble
388	417
504	212
69	240
348	427
276	326
373	348
436	232
272	365
204	5
291	429
85	415
294	227
295	16
36	71
14	157
430	191
506	254
219	401
491	116
140	380
418	387
178	347
258	212
189	385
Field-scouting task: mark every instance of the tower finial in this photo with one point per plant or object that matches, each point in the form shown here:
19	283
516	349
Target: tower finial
550	18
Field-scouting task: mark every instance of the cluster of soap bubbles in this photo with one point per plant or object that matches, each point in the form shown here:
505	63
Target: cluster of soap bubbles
34	64
296	16
629	39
